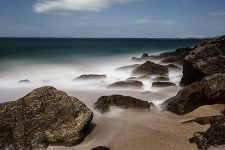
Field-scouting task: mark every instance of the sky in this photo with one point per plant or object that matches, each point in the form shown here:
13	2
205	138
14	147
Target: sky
112	18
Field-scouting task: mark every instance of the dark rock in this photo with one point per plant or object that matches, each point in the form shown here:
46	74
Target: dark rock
150	68
127	68
131	79
175	56
162	84
160	79
208	120
127	84
25	81
214	136
145	77
211	90
104	103
205	59
91	77
144	55
43	117
173	67
100	148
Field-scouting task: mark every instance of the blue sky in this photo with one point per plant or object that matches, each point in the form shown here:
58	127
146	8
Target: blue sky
112	18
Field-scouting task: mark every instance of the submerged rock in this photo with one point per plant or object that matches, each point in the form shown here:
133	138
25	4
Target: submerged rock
25	81
91	77
160	79
211	90
162	84
130	84
150	68
205	59
127	68
45	116
104	103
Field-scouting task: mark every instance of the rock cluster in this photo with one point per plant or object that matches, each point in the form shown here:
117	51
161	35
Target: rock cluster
45	116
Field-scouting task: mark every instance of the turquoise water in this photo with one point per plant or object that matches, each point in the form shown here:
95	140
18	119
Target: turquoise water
61	48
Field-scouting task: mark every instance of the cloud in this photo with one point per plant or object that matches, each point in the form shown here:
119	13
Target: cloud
145	21
222	13
142	21
43	6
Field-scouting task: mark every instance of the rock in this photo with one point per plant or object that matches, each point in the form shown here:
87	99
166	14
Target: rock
100	148
45	116
162	84
211	90
150	68
104	103
25	81
144	55
208	120
130	84
214	136
158	79
127	68
173	67
91	77
145	77
205	59
131	79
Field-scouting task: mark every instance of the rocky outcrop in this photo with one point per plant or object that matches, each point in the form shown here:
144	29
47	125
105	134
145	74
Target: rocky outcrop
127	68
91	77
160	79
211	90
205	59
100	148
162	84
25	81
104	103
214	136
44	116
150	68
129	84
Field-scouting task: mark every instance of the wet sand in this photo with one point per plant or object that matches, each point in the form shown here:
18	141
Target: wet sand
131	130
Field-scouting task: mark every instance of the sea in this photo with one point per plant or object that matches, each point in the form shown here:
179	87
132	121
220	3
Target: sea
58	61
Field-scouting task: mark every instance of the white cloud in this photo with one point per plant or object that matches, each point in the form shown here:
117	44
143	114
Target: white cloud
146	21
43	6
222	13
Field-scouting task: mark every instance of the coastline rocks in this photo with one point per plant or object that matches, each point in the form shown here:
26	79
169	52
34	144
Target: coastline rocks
211	90
127	68
214	136
129	84
25	81
150	68
162	84
45	116
206	59
100	148
158	79
104	103
91	77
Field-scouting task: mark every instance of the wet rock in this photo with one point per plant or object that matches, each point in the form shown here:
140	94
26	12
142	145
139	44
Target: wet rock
104	103
162	84
25	81
132	79
173	67
145	77
45	116
150	68
100	148
144	55
211	90
158	79
91	77
127	68
130	84
205	59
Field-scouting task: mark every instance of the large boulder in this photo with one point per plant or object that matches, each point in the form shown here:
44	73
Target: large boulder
162	84
104	103
204	60
150	68
129	84
44	116
211	90
91	77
